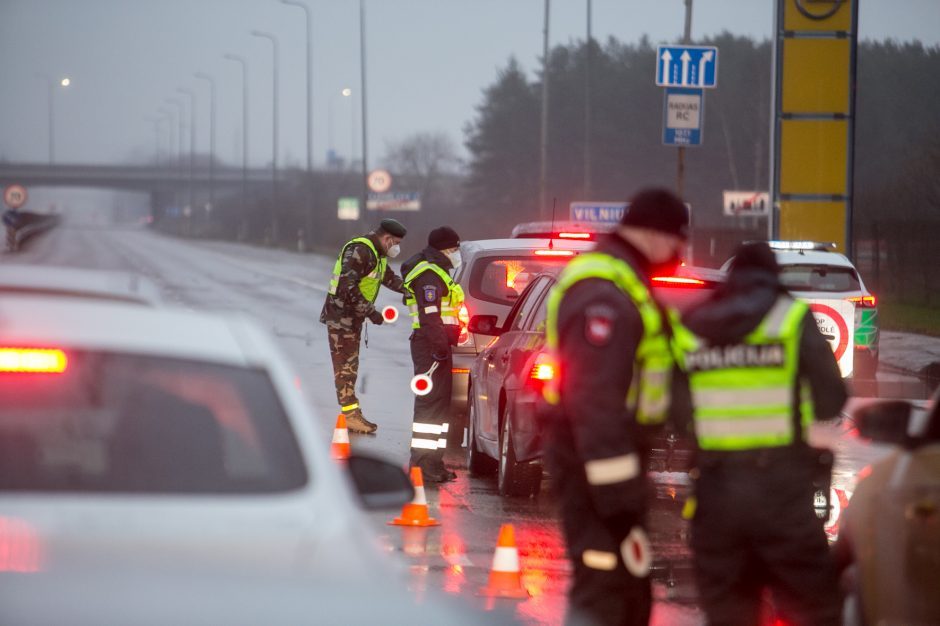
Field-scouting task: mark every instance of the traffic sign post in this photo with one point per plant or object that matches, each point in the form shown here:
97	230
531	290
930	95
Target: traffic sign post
687	66
347	208
379	181
15	196
683	115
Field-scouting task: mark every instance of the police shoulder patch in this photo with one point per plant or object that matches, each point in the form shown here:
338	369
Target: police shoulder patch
430	293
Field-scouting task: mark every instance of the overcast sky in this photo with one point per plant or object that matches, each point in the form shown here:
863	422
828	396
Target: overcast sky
427	62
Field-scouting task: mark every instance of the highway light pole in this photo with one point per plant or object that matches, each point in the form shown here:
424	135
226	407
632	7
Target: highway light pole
587	108
274	207
365	133
309	17
51	84
192	148
211	81
244	65
179	140
543	159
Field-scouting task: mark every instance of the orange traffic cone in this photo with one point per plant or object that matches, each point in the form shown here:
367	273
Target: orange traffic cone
339	449
415	513
505	578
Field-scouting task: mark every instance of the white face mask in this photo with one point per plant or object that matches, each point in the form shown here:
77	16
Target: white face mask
454	258
393	251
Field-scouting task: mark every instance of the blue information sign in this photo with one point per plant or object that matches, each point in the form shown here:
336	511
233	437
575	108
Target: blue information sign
683	114
601	212
687	66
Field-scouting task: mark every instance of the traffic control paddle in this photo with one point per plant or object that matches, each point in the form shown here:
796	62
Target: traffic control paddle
390	314
422	384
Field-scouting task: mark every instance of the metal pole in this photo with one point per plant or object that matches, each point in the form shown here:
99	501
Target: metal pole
365	131
274	207
51	122
211	81
306	9
179	140
244	64
587	109
680	166
192	146
543	158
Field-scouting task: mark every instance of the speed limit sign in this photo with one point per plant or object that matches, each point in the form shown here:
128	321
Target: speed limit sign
15	196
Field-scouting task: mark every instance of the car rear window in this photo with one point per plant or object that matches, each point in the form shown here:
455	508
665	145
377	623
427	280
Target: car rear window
501	279
819	278
141	424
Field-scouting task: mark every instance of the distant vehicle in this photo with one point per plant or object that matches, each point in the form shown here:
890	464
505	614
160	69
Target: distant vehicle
493	274
506	380
811	270
889	538
150	441
70	282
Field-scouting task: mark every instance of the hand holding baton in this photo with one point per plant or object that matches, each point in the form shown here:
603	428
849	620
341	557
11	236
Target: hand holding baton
422	384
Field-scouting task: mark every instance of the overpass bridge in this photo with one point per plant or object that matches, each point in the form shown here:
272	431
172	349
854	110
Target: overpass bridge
155	179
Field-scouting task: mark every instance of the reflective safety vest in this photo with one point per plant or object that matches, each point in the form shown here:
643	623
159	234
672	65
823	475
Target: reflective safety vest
450	303
368	284
656	355
744	394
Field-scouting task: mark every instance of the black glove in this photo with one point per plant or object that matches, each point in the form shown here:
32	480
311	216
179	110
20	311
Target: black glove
440	356
376	318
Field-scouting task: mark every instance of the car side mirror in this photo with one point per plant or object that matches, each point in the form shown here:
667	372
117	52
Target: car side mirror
484	325
380	484
884	422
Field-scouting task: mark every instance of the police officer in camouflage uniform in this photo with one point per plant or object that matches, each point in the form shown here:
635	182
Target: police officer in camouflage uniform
361	268
613	389
434	300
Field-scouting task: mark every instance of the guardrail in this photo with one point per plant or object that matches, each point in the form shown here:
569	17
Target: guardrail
22	225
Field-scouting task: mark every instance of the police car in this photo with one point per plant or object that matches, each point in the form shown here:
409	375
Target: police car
183	455
813	270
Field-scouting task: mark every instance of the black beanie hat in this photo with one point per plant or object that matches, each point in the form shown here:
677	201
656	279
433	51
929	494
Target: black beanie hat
755	255
443	238
658	209
393	227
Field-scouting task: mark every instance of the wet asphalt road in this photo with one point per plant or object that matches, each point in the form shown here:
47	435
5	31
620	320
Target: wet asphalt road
285	291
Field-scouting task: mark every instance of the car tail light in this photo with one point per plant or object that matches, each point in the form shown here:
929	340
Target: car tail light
543	369
554	253
33	360
678	281
459	370
582	236
864	301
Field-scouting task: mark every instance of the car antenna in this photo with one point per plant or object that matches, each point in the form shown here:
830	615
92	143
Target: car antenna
551	234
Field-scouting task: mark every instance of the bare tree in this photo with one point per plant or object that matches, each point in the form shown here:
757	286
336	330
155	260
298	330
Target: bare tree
423	158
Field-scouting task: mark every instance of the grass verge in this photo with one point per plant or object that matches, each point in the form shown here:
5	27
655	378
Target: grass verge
910	318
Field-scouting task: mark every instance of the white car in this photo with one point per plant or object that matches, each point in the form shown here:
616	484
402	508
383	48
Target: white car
142	445
811	270
70	282
494	273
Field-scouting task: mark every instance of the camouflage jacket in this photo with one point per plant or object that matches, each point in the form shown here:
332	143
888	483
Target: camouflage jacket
349	307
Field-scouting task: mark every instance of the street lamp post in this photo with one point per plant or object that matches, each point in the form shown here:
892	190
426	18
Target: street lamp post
179	139
51	83
306	9
365	144
192	145
274	208
244	65
211	81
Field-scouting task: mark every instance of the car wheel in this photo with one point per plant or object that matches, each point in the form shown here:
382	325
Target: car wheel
478	463
515	478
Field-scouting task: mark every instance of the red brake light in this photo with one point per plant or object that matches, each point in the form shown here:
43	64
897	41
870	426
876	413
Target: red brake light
33	360
679	280
864	301
543	369
554	253
584	236
463	316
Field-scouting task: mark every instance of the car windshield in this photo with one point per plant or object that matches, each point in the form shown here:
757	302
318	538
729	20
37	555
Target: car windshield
502	279
819	278
141	424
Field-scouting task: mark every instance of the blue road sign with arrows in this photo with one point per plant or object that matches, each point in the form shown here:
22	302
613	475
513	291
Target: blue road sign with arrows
687	66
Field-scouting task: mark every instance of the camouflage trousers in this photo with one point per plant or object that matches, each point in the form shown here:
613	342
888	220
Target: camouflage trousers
344	351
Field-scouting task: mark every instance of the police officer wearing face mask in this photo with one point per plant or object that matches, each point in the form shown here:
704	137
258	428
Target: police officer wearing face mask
616	360
434	301
362	266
